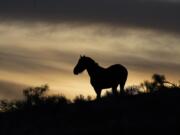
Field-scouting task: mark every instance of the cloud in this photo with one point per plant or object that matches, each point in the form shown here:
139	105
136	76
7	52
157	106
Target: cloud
39	53
57	61
32	49
11	90
22	60
140	64
160	15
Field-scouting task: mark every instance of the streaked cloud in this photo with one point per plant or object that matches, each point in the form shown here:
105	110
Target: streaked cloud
11	90
41	42
39	53
161	14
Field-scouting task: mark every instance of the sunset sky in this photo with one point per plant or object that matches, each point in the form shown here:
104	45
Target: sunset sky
41	41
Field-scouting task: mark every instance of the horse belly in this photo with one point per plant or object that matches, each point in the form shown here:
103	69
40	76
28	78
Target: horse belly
104	83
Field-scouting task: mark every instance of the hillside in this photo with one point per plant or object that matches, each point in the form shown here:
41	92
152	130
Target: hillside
150	113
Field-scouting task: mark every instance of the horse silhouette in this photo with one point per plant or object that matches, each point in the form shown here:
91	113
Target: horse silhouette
102	78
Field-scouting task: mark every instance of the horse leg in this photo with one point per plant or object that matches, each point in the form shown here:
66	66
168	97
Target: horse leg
114	90
122	83
98	93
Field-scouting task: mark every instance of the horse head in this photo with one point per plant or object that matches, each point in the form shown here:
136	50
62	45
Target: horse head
81	65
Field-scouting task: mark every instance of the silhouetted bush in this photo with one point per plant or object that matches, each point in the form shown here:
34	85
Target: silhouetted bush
4	105
33	95
56	99
133	90
158	82
36	96
79	99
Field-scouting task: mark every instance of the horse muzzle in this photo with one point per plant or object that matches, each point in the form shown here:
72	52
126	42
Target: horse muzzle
75	72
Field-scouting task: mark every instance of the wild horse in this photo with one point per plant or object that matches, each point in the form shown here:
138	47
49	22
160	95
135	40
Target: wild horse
102	78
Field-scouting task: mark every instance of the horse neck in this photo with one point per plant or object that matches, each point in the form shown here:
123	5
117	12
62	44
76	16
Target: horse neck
93	70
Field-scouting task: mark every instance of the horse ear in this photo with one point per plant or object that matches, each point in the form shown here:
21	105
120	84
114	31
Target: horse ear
80	56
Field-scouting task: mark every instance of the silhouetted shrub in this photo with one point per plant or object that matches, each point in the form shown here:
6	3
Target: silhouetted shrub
159	80
173	85
79	99
4	105
89	98
157	83
36	96
133	90
33	95
56	99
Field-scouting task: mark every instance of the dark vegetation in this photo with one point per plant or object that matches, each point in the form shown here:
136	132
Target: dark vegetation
151	108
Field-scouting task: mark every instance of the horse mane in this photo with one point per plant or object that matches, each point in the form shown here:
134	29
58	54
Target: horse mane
91	61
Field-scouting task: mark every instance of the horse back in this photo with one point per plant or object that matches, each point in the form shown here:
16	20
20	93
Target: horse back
117	68
109	76
113	72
